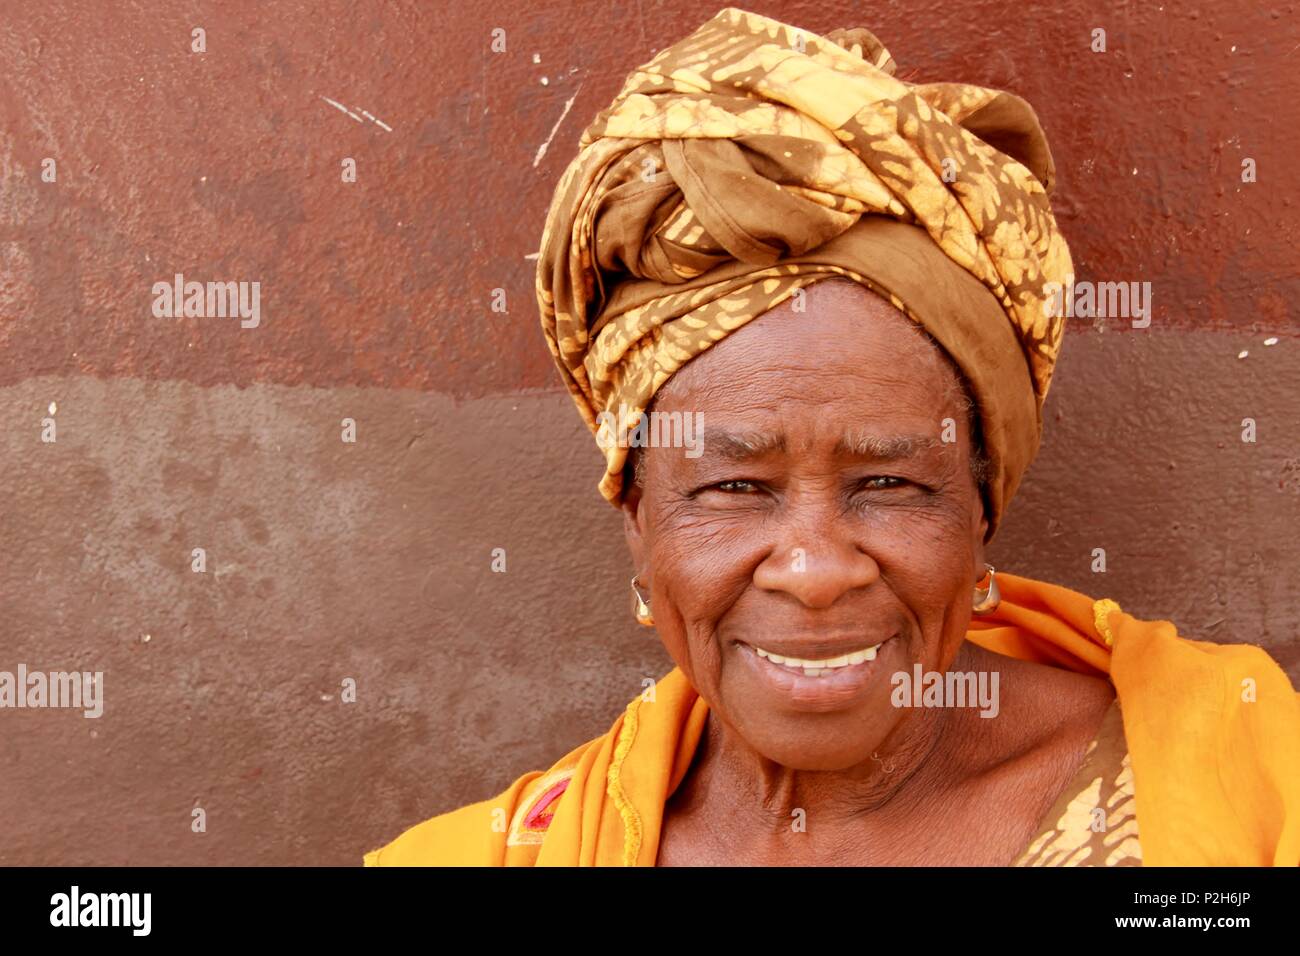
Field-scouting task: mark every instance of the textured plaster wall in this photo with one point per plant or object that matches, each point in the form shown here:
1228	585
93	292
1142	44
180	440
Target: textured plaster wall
371	561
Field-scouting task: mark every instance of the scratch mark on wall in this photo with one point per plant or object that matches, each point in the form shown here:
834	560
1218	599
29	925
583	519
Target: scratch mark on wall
368	115
541	150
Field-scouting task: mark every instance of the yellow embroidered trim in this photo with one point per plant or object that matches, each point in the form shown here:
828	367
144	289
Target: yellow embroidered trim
1100	610
631	819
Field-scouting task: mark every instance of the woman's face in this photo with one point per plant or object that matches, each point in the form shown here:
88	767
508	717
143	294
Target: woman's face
825	516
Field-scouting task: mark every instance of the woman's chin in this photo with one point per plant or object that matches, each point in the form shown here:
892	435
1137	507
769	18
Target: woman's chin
817	723
814	752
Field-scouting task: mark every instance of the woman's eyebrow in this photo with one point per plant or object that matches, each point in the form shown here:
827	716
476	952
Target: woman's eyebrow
741	445
746	445
884	447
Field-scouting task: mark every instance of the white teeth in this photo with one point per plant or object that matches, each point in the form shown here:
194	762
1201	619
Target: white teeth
817	668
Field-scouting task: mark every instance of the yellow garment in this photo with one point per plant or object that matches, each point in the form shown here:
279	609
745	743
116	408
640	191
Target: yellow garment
1213	733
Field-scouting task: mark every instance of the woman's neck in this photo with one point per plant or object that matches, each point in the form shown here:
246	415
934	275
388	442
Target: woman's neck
946	785
748	806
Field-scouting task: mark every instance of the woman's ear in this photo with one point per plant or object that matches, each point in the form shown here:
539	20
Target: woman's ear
979	531
632	522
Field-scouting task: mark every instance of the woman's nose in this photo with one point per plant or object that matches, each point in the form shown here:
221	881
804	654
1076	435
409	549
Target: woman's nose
817	564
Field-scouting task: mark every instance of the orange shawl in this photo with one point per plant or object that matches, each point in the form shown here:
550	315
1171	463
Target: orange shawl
1213	732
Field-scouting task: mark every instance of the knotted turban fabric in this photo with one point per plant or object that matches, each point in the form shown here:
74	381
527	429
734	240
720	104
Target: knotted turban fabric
752	159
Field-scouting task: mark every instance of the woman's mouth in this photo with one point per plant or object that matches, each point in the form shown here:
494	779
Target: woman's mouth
821	684
819	668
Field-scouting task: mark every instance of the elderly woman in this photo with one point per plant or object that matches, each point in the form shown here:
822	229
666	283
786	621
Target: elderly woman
848	280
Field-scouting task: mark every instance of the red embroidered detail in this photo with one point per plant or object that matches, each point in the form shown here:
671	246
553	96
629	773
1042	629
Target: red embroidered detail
540	816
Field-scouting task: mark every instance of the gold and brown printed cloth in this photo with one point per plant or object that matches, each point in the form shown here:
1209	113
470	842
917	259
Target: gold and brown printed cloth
753	159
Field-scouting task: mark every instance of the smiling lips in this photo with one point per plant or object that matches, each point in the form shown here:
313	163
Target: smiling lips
819	668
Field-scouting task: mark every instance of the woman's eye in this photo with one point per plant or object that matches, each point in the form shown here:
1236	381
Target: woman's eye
736	486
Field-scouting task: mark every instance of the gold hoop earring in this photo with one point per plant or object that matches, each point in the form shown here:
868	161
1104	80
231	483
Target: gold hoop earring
986	601
641	606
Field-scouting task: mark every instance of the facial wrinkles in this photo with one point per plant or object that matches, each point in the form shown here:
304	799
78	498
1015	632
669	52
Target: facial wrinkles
898	766
703	557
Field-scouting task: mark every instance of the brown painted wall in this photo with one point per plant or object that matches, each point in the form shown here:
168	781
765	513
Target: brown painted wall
370	561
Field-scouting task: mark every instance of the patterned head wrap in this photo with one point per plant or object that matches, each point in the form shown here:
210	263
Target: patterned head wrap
753	159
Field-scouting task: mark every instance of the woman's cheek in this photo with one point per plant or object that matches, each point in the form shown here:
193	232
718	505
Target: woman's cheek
699	571
713	555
